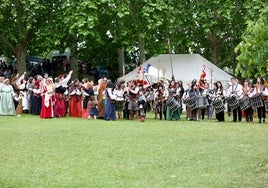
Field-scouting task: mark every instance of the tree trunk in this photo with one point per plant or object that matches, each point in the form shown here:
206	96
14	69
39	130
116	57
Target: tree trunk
215	49
21	56
121	61
141	45
74	61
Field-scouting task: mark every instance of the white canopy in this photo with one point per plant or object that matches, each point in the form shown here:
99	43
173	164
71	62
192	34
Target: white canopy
186	67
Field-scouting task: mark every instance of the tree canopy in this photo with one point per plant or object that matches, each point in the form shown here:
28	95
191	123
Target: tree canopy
253	50
113	33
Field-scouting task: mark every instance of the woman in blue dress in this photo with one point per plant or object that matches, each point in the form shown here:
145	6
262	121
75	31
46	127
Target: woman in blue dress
110	109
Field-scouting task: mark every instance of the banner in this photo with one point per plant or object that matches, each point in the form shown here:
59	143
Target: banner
152	71
203	77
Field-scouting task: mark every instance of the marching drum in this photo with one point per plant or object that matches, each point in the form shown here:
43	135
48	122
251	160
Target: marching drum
191	103
119	104
244	104
266	105
232	102
201	102
218	105
173	104
256	101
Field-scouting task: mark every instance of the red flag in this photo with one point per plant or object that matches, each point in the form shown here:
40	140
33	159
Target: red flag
203	76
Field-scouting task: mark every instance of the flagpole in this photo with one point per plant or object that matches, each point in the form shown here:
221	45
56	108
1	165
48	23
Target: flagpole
158	71
170	59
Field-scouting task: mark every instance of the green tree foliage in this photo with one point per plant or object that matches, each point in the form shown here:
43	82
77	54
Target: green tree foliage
22	20
99	31
253	50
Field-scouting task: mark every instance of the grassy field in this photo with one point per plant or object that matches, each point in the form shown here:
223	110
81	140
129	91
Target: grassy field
74	152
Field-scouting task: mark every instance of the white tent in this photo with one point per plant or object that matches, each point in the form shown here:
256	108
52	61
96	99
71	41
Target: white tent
186	67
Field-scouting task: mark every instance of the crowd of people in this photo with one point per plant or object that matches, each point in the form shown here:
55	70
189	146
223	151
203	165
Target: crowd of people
60	97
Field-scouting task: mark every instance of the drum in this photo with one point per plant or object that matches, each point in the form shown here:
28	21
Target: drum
173	104
191	103
119	104
266	105
218	105
256	101
244	104
201	102
232	102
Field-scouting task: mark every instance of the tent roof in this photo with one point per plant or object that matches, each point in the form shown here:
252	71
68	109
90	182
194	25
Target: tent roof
186	67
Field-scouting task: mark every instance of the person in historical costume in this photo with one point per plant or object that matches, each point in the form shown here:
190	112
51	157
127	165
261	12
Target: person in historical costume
185	98
132	93
22	86
109	112
180	92
87	92
75	101
13	82
60	99
63	81
235	90
47	94
7	106
193	114
35	97
101	97
220	95
160	95
18	98
247	90
126	101
92	107
207	93
172	95
142	104
260	88
119	93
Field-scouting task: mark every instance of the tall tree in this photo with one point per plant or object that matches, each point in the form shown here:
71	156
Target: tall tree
253	50
22	20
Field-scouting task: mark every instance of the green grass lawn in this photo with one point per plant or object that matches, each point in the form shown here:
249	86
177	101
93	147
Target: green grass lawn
74	152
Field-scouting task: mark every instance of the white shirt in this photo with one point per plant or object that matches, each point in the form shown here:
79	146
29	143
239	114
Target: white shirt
236	89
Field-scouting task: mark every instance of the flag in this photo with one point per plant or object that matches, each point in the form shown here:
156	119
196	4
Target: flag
140	80
203	77
152	71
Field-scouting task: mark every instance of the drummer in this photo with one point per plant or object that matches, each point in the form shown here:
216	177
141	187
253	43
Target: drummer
193	114
247	90
219	94
235	90
172	94
206	92
260	88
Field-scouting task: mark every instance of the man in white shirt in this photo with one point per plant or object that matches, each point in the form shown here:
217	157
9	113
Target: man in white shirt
235	90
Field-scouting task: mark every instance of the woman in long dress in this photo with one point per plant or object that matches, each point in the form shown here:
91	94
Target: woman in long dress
35	96
172	95
75	102
7	106
48	99
109	113
101	97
